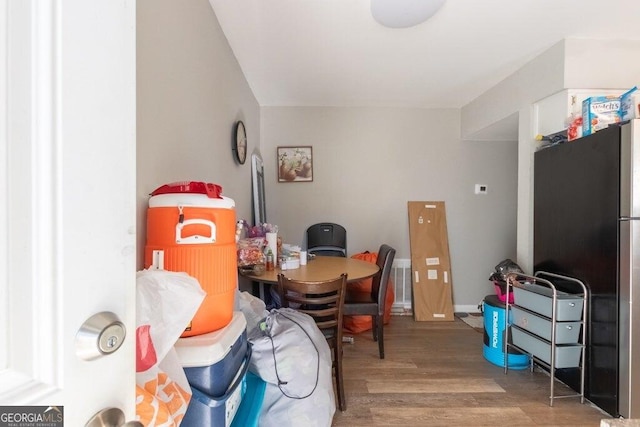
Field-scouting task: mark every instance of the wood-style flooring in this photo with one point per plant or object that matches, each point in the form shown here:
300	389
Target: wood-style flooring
434	374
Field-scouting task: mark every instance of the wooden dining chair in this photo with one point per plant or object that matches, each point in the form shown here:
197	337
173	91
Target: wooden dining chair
373	304
324	302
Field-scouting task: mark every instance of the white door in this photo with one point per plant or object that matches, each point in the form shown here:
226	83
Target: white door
67	201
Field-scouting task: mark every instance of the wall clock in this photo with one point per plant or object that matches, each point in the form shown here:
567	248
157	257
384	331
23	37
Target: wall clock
240	143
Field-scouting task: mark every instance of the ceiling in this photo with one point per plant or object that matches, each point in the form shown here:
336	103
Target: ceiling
333	53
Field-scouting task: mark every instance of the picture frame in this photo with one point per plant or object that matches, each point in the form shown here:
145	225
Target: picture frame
295	163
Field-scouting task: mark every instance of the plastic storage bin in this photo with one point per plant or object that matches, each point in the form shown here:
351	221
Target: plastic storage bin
493	348
212	360
566	332
205	410
540	299
195	233
566	357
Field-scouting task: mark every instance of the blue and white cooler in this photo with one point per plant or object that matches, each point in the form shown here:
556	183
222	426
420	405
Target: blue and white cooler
493	348
216	366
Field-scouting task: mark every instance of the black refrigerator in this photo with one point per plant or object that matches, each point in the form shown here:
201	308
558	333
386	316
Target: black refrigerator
587	226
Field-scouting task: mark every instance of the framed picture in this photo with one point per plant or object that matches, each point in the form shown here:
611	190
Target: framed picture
295	164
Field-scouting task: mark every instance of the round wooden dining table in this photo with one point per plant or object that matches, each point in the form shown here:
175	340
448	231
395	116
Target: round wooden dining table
321	268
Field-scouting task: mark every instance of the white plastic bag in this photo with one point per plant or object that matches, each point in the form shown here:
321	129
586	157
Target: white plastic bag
254	311
166	303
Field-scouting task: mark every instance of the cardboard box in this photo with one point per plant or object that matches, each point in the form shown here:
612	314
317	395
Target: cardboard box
630	104
598	112
432	296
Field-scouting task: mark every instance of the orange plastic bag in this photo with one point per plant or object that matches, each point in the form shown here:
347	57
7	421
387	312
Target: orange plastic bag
357	324
162	402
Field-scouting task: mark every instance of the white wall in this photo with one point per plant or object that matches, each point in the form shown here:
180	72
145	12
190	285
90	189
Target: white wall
369	162
609	64
190	92
576	65
542	76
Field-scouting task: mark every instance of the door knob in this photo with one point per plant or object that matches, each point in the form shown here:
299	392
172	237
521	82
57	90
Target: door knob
111	417
100	335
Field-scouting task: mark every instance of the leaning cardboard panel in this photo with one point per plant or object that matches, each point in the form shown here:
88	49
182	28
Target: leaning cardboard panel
430	262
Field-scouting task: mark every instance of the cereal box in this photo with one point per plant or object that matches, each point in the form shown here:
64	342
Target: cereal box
630	104
598	112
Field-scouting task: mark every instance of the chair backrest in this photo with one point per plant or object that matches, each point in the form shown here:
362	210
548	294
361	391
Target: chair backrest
327	238
322	300
380	281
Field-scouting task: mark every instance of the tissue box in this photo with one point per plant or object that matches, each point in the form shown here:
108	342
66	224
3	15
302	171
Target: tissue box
598	112
630	104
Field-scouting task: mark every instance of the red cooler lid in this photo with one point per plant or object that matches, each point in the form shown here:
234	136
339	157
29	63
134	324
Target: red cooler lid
213	191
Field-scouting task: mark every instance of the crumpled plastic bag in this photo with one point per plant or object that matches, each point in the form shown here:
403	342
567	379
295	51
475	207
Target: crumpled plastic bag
166	302
254	311
507	267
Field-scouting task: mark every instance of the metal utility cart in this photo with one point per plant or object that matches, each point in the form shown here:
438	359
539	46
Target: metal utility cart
548	324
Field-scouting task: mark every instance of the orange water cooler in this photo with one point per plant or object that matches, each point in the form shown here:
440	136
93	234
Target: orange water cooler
191	228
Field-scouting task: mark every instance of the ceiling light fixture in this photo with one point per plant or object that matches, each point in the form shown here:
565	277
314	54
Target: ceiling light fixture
404	13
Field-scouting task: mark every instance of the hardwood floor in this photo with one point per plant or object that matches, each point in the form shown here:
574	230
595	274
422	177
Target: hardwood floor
434	374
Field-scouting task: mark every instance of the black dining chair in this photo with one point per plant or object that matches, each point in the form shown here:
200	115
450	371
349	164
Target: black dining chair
327	238
358	304
324	302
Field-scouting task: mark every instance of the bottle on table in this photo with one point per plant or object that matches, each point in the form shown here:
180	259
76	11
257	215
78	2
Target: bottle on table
269	265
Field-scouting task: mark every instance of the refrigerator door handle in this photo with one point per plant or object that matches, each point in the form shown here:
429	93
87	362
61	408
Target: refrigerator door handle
629	320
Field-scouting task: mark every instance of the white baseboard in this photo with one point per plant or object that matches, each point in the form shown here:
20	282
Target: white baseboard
460	308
